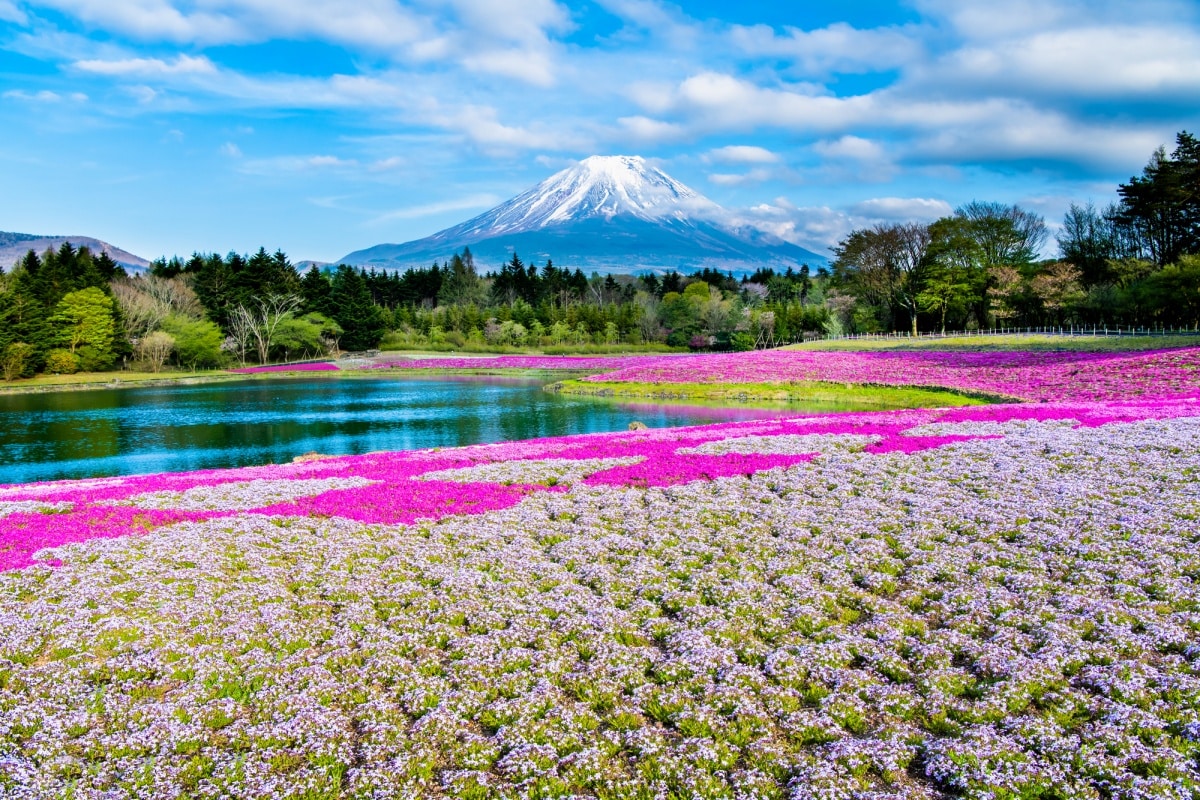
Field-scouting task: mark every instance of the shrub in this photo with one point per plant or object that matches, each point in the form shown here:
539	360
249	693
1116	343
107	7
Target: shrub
741	342
17	361
62	362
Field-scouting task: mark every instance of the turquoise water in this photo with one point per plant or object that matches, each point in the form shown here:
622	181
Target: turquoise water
127	431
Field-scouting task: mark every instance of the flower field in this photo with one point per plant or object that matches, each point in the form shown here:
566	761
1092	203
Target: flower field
317	366
1037	376
993	602
570	363
1021	375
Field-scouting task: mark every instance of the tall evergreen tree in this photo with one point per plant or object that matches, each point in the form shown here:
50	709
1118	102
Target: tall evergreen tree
461	286
317	292
1162	205
361	320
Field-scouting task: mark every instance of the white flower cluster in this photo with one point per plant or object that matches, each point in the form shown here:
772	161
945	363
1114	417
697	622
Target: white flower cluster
55	487
1016	427
787	444
544	472
1003	618
239	495
31	506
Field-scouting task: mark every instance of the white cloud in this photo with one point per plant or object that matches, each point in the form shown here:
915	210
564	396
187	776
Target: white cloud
388	164
231	150
10	13
818	227
997	19
1090	61
149	67
814	227
740	154
44	96
508	38
656	97
471	203
852	147
515	21
531	67
295	164
645	130
718	101
153	20
838	47
737	179
481	126
1032	134
377	24
143	94
664	22
901	209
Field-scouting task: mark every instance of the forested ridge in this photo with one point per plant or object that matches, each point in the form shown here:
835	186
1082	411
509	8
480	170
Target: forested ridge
1136	262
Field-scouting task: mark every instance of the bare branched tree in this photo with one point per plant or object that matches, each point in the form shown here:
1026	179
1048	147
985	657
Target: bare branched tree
155	348
265	316
241	331
147	301
176	295
140	312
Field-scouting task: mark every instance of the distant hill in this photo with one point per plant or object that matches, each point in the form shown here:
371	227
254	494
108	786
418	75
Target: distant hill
607	214
14	246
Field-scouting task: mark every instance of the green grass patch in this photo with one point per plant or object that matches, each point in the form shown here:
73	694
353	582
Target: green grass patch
809	395
1040	342
109	380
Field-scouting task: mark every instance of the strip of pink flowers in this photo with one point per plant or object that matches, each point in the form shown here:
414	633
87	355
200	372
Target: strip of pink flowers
320	366
1035	376
390	488
490	363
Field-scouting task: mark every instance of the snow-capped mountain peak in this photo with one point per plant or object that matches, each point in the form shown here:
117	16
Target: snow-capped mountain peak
610	213
599	186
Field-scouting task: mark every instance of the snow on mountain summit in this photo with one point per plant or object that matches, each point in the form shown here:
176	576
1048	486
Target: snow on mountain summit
599	186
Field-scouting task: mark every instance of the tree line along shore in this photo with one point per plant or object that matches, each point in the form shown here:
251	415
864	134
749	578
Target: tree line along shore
1136	262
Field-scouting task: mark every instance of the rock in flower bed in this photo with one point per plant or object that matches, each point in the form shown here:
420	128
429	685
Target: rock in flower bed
988	602
1038	376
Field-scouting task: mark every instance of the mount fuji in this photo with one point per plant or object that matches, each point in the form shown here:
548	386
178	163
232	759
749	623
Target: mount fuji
605	214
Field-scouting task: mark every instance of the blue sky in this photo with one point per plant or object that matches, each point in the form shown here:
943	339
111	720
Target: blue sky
321	127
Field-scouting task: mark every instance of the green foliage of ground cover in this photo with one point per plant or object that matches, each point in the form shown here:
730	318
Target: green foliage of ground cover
837	396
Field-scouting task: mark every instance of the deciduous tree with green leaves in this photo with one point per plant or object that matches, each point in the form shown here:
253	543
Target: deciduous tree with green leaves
83	323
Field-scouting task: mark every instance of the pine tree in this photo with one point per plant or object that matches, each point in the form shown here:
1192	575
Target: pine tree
361	320
317	292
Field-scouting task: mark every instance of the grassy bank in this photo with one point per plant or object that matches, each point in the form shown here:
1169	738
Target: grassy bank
1037	342
835	396
110	380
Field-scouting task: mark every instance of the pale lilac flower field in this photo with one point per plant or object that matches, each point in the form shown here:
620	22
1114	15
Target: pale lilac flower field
988	602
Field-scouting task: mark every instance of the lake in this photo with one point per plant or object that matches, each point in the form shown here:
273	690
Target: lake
123	431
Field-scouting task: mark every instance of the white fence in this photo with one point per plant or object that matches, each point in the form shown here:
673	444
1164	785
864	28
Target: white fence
1065	330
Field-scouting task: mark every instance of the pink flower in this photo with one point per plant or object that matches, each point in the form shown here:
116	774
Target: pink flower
320	366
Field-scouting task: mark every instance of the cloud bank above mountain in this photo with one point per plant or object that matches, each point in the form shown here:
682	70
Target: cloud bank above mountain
266	122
